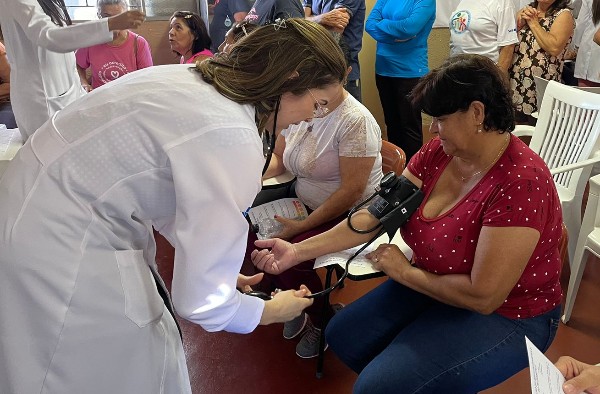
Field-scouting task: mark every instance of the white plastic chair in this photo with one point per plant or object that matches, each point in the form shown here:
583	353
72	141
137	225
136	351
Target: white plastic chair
589	241
566	137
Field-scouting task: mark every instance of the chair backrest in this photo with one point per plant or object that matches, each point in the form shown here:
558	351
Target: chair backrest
540	89
591	217
393	158
567	132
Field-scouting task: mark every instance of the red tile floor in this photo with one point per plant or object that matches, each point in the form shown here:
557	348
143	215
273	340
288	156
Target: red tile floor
265	362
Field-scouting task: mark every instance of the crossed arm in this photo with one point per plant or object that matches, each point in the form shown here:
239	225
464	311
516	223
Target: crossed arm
553	41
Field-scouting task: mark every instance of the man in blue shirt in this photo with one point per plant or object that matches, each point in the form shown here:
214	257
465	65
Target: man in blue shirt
346	17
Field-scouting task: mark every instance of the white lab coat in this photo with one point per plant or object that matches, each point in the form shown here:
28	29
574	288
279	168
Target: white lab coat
79	311
587	64
43	74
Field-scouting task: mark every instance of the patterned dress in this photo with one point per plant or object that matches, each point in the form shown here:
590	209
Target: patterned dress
530	60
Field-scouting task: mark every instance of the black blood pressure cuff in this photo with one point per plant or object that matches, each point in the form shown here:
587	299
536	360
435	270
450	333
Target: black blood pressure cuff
396	201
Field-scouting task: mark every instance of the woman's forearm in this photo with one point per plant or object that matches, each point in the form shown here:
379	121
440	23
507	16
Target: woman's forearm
4	75
336	205
339	238
456	290
555	40
505	57
275	168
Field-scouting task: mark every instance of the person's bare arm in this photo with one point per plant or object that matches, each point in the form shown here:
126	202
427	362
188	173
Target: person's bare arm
4	76
495	272
239	16
83	78
276	166
354	172
597	37
278	255
505	57
336	19
579	376
555	40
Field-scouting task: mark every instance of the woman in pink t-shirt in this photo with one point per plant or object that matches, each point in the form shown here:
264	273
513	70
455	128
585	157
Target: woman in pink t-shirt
486	264
127	52
189	37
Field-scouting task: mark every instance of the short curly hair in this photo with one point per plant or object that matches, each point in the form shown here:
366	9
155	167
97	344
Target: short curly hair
461	80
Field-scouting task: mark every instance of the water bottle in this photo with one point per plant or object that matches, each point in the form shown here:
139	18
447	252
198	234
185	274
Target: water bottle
268	227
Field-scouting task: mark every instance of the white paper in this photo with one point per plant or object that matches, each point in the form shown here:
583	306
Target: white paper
291	208
360	262
9	138
545	377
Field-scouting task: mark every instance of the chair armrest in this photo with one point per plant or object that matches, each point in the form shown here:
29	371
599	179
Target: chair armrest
522	130
595	185
575	166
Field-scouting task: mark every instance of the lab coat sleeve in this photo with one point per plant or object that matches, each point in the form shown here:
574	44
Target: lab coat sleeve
215	181
388	30
40	29
584	22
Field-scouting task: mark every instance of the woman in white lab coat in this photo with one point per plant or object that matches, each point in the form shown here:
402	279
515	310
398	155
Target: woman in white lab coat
587	64
165	147
40	41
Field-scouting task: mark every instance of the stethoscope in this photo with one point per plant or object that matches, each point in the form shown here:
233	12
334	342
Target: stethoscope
268	139
340	280
268	147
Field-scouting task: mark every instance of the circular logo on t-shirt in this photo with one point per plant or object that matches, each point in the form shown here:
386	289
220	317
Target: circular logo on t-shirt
460	21
111	71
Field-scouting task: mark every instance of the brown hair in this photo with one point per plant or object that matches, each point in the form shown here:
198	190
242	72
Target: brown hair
290	56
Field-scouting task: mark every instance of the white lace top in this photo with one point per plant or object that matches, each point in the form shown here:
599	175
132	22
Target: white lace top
313	149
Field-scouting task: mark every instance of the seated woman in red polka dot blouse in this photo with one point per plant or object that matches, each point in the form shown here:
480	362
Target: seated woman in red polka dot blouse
486	265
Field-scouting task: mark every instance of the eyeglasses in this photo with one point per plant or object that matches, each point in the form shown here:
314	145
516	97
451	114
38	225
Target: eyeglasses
319	110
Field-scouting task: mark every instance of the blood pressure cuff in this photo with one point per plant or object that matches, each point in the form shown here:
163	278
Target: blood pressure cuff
398	198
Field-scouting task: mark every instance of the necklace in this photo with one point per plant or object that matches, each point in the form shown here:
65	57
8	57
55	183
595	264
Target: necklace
502	149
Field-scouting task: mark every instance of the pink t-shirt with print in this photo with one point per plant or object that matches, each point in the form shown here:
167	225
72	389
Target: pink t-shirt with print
517	191
109	62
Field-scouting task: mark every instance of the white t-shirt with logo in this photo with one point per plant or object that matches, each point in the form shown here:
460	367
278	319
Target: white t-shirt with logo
482	27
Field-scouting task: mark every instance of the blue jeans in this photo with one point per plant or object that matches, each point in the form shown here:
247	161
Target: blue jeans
401	341
353	87
6	115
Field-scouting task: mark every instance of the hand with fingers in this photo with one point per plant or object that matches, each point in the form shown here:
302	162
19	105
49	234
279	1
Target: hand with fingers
286	305
581	377
245	283
275	256
389	259
126	20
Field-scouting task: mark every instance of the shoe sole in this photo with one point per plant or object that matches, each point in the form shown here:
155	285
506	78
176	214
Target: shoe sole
314	355
301	330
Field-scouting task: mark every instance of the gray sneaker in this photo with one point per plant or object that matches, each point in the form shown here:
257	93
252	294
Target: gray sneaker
294	327
308	347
